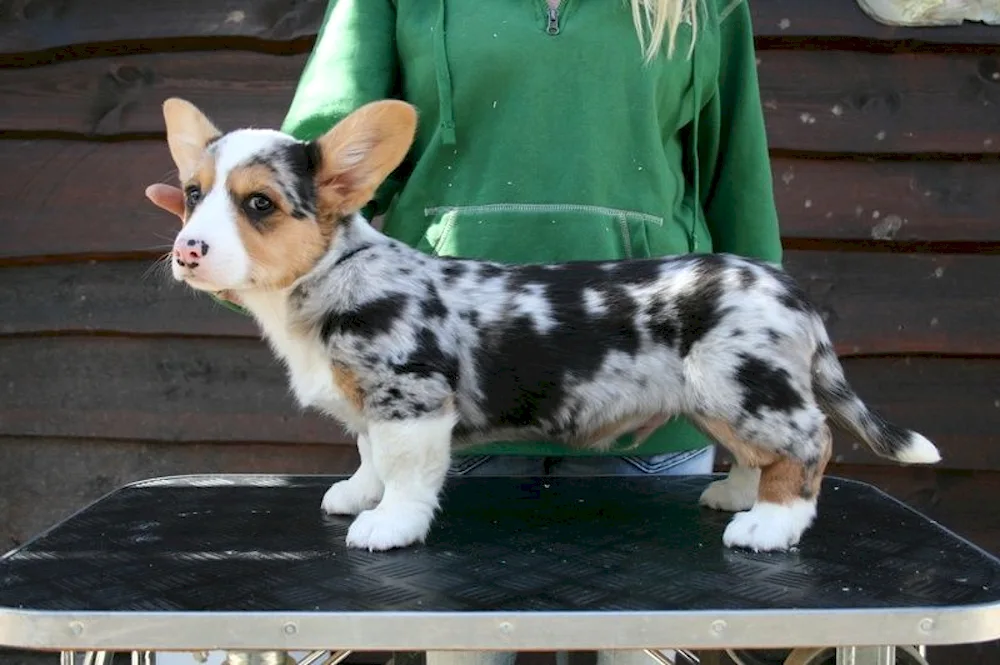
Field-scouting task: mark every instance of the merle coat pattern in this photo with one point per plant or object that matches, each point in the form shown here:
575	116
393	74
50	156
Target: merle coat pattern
419	354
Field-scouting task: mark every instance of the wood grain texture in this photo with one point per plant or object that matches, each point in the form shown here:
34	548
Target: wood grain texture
52	25
46	480
794	19
902	201
827	101
39	25
114	96
82	198
198	390
857	102
78	198
874	303
947	496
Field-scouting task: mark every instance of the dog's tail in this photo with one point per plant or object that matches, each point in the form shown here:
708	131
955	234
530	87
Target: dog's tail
839	401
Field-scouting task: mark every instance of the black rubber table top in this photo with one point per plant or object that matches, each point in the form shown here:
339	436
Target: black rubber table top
260	543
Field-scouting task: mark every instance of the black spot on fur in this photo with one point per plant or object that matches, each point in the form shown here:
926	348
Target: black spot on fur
700	309
792	296
765	387
524	371
302	160
472	317
432	307
368	320
636	272
453	271
747	278
773	335
662	324
490	270
428	360
737	332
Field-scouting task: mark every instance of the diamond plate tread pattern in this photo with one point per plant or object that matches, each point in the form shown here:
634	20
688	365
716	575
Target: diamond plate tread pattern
261	543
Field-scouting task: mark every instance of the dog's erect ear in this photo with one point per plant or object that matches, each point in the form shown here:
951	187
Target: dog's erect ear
188	132
361	151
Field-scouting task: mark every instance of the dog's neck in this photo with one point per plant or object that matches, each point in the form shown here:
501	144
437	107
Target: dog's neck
271	306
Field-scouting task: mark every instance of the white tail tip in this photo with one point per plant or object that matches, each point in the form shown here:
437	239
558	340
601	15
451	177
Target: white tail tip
919	451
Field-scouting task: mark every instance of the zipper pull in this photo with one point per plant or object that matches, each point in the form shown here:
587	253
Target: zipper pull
553	27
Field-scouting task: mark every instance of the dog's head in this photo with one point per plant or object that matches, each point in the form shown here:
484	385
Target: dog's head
261	207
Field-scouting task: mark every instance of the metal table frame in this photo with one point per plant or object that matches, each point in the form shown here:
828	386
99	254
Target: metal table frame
875	633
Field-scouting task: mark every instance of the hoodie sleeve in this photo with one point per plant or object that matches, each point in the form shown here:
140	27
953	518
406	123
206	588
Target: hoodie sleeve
734	164
353	62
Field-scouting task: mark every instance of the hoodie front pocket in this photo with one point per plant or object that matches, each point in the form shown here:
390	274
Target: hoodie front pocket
538	233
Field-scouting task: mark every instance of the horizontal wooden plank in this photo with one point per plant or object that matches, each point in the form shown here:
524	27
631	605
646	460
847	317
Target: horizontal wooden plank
794	19
80	198
857	102
153	389
77	197
902	201
132	297
952	498
191	390
52	25
46	480
829	101
874	303
112	96
41	25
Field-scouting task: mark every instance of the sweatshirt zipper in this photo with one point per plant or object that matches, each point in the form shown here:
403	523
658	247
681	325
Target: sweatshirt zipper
553	26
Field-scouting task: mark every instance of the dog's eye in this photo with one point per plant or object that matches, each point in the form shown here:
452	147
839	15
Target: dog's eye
257	205
192	195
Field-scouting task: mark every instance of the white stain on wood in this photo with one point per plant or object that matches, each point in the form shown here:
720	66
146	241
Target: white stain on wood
931	12
888	227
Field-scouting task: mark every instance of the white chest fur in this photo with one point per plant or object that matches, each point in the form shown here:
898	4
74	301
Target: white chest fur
310	369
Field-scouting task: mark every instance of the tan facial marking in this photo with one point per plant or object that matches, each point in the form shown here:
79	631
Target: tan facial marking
203	179
347	382
281	247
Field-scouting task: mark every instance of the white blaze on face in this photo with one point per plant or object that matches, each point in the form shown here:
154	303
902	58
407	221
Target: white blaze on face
215	222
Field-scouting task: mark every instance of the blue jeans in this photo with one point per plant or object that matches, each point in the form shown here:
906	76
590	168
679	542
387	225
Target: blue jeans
688	462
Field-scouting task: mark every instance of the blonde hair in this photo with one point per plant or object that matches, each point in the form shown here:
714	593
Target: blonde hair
658	19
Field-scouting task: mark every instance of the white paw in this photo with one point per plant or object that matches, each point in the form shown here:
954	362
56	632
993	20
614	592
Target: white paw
389	526
351	496
734	493
770	526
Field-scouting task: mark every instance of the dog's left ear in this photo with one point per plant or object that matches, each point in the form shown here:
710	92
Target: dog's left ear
360	152
188	132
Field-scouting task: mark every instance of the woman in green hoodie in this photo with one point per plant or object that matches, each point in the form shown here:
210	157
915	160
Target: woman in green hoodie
557	130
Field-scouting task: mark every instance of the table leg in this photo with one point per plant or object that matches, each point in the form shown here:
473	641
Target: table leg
883	655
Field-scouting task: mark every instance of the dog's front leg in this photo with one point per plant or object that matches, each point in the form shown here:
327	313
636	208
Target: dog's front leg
361	491
411	458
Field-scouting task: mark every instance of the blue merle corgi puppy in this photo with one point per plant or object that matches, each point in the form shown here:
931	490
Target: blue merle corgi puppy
418	354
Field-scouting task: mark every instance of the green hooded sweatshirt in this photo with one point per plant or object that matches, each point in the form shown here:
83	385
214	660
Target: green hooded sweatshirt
544	136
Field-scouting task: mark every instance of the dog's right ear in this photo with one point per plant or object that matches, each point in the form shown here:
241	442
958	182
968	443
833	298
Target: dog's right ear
188	132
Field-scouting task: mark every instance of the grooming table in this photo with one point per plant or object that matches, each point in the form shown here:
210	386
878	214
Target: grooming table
250	564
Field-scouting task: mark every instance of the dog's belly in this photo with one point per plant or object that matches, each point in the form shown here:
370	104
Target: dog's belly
600	436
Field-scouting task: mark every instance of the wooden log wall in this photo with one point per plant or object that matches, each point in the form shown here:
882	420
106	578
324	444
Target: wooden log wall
886	156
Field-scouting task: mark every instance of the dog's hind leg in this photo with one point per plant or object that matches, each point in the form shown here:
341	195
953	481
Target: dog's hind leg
411	457
735	492
787	487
